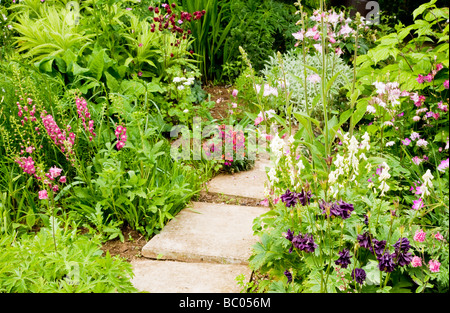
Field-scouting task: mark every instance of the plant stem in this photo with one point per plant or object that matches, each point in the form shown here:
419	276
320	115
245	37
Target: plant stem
352	105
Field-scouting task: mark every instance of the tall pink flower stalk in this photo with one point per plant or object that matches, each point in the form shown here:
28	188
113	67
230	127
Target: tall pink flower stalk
59	137
121	134
85	116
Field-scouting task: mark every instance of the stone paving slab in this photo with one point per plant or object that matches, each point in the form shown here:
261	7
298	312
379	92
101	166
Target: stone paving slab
248	184
207	232
180	277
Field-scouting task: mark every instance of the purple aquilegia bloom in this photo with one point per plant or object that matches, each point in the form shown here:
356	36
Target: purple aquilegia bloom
289	198
345	209
401	253
289	235
402	244
344	259
378	246
365	241
359	275
403	258
339	208
328	208
288	275
304	242
304	197
366	219
386	262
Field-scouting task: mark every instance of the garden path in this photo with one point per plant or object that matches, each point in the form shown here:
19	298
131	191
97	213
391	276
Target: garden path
207	245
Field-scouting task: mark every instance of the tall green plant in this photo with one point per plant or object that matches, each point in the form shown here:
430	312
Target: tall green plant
209	35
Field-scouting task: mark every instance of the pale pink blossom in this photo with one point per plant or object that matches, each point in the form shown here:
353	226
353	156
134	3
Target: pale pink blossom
416	261
416	160
299	35
434	266
438	236
414	136
422	143
43	194
443	165
55	172
314	78
418	204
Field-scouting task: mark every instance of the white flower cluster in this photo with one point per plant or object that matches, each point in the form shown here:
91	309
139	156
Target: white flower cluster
384	176
347	166
183	81
276	148
285	171
268	90
427	177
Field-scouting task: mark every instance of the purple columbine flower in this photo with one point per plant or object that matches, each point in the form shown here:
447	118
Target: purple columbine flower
304	242
403	258
386	262
359	275
378	246
328	208
289	198
402	245
365	241
366	219
344	258
304	197
289	235
340	208
288	275
345	209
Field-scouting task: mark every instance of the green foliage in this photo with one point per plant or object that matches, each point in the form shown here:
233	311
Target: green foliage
29	263
261	28
403	58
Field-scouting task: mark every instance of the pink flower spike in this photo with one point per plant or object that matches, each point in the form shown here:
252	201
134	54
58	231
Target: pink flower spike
62	179
43	194
446	84
235	93
419	236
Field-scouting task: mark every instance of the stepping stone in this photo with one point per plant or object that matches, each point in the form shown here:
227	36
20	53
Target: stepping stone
180	277
215	233
249	184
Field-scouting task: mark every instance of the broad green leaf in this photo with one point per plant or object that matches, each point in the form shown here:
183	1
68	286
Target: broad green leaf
112	83
422	8
97	65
